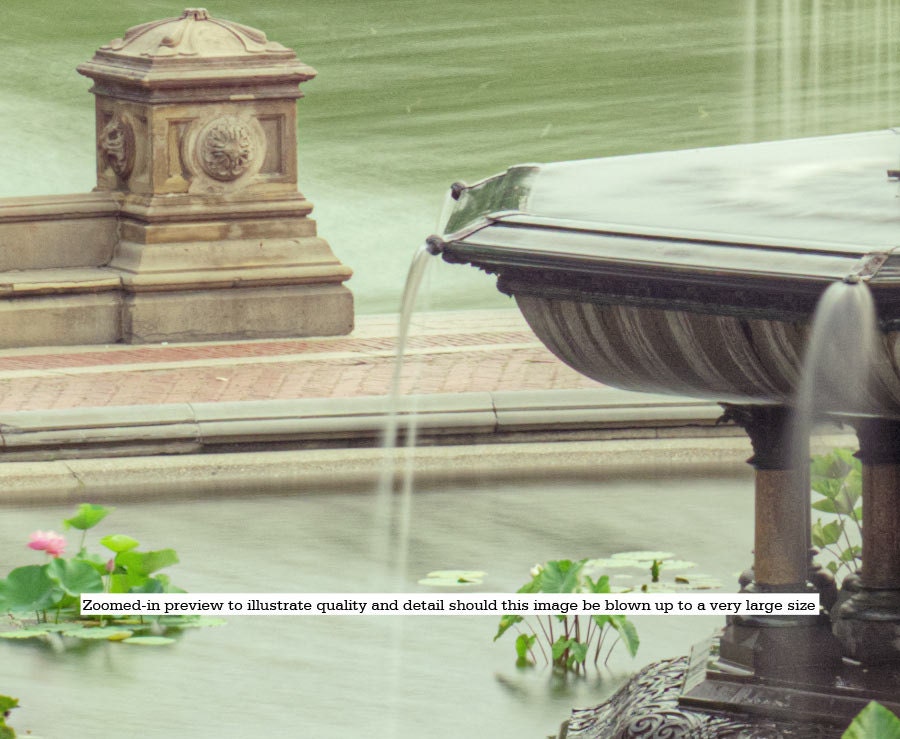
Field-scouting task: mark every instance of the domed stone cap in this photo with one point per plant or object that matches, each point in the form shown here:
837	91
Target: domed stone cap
193	49
194	34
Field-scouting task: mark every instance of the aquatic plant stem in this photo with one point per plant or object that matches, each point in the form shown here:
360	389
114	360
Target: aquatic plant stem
590	632
610	651
540	646
548	637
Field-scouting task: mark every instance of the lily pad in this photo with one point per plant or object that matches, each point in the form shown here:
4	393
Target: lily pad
47	628
611	564
149	641
702	582
23	634
617	561
643	556
671	565
112	633
186	622
453	578
661	587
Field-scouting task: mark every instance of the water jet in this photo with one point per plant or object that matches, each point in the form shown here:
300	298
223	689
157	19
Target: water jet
688	273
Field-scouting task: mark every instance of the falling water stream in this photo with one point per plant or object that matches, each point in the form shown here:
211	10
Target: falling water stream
839	353
395	543
396	548
392	541
836	368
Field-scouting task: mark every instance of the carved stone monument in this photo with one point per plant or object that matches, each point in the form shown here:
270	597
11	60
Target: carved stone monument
196	133
196	229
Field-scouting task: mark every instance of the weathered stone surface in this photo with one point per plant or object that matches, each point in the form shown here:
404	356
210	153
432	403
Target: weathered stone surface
57	231
87	318
196	198
244	313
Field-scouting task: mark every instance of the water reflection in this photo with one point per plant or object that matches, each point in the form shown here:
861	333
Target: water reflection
329	676
814	67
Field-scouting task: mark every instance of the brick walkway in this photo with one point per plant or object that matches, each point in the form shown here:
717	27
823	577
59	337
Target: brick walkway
447	353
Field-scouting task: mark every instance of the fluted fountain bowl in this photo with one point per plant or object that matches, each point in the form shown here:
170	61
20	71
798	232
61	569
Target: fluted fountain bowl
693	272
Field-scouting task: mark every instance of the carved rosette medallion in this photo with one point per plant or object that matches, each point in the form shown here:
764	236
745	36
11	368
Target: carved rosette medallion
115	146
227	148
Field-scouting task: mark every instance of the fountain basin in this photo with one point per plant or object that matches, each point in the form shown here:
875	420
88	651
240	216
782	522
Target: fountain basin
703	273
717	304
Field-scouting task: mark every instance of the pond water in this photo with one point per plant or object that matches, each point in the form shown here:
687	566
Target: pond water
414	94
384	677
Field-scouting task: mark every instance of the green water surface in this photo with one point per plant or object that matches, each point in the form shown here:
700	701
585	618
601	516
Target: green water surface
412	95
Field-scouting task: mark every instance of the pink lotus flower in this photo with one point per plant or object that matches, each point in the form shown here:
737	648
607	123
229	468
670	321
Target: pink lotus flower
48	541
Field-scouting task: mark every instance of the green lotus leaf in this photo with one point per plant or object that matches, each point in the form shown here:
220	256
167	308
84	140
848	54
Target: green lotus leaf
506	622
578	652
126	582
524	642
560	576
146	563
75	576
874	722
88	516
148	585
29	588
119	542
560	646
627	632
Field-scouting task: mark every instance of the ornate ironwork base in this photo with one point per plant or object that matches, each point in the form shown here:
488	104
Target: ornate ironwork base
648	708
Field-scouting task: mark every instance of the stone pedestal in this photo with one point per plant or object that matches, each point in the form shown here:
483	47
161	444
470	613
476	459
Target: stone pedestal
196	134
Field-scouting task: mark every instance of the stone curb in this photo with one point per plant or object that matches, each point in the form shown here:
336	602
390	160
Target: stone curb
190	428
333	471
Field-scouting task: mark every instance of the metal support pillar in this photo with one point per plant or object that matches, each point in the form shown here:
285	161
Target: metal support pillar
868	621
782	557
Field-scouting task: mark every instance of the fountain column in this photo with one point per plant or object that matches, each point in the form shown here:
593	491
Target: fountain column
782	556
868	622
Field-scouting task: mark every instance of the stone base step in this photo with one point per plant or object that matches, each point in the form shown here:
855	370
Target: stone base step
93	305
64	306
58	281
